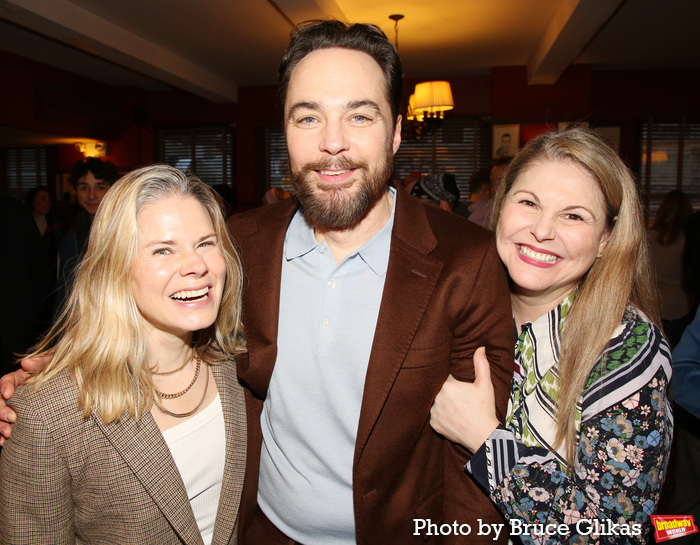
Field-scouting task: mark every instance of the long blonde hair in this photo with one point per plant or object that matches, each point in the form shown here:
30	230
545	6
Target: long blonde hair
99	337
623	274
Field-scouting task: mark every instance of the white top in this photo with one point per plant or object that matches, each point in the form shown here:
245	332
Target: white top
42	224
198	446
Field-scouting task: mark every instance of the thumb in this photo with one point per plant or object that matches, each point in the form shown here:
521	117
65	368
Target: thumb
31	365
482	368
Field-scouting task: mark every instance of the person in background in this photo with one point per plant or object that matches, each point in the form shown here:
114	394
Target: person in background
667	239
497	172
681	491
480	197
25	275
692	253
275	194
38	200
686	369
589	423
409	181
134	432
92	179
440	190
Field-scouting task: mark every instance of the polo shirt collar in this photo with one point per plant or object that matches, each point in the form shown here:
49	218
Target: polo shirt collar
300	240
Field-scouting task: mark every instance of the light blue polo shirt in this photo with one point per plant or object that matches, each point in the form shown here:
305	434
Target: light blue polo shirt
328	314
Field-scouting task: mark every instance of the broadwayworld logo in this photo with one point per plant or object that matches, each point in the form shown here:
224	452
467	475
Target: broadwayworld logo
670	527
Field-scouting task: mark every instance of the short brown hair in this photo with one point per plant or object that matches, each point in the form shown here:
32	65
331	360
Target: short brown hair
327	33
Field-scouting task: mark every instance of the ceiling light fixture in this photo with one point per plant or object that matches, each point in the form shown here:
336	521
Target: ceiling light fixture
396	17
431	99
427	105
93	149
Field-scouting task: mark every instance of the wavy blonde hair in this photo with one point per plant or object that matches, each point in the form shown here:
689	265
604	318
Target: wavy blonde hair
623	274
99	336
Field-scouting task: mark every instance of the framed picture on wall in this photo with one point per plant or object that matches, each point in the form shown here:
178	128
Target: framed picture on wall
67	191
506	141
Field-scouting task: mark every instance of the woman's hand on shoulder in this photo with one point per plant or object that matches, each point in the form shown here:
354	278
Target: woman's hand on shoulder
465	412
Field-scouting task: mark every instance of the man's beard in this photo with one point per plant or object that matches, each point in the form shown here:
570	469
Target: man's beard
340	206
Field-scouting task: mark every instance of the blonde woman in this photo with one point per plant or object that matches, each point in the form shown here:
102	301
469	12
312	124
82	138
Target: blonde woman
134	431
584	449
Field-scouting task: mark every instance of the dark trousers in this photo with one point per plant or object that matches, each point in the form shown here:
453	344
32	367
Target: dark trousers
261	531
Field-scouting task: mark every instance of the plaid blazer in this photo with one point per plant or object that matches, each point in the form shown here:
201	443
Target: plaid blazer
65	480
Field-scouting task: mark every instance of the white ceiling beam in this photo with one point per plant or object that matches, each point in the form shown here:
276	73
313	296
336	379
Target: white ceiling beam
574	25
73	25
303	10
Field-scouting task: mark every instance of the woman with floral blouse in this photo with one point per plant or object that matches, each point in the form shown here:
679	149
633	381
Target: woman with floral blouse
583	452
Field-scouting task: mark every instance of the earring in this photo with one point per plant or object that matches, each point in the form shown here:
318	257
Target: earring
599	255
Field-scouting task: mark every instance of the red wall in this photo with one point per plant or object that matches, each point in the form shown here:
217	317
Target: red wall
513	100
256	105
40	98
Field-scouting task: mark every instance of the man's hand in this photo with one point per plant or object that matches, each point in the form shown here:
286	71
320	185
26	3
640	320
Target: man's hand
465	412
8	383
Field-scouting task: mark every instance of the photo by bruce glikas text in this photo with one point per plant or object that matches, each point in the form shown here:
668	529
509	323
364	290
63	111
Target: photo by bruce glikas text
516	527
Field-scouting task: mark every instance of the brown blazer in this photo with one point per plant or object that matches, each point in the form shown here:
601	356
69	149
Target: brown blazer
445	295
65	480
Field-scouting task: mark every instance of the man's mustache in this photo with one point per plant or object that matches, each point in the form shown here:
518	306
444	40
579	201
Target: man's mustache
333	163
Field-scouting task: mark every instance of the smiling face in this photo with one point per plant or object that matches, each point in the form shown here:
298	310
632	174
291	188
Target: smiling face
551	228
179	272
340	135
90	191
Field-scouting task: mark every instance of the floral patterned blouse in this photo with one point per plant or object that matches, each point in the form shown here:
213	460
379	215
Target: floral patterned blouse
624	429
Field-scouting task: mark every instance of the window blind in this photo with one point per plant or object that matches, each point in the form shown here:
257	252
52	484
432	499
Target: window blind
462	146
204	151
670	159
25	168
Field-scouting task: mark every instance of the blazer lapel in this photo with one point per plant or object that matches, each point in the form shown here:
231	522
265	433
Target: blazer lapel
233	404
261	242
411	271
144	450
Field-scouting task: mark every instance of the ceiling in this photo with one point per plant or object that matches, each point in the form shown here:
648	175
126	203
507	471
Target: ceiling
212	47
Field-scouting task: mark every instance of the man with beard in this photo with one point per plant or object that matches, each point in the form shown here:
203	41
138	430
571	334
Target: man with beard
359	302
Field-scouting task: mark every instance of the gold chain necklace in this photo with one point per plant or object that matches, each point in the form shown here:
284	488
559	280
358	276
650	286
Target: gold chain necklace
188	413
183	392
168	373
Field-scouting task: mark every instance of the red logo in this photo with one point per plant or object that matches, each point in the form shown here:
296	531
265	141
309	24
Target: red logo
672	526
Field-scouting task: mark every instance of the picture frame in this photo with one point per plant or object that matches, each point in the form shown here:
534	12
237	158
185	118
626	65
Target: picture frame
65	189
506	141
